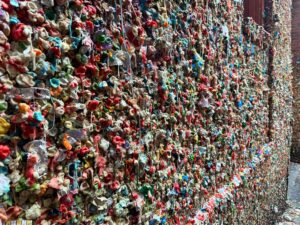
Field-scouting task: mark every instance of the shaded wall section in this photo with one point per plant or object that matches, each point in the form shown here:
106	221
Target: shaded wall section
295	154
255	10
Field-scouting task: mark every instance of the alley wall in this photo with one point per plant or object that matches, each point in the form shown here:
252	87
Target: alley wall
143	112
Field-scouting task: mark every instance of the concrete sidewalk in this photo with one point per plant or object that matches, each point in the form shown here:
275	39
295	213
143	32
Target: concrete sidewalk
292	214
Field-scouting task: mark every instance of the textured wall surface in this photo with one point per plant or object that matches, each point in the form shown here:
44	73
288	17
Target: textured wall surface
281	107
142	112
295	154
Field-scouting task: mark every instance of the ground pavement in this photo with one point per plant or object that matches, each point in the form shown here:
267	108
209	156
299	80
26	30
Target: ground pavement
292	214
